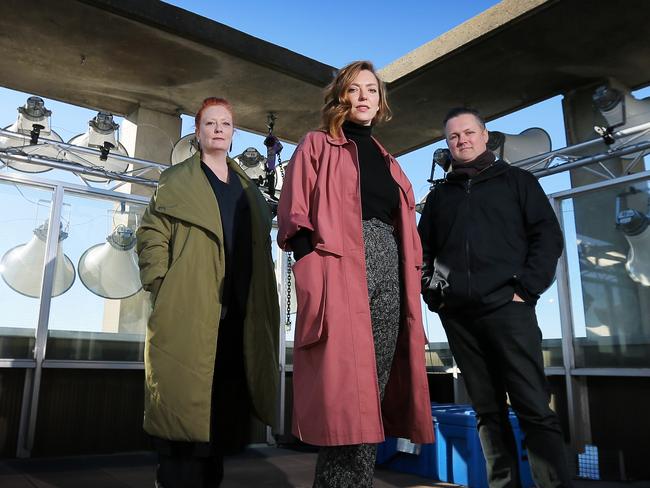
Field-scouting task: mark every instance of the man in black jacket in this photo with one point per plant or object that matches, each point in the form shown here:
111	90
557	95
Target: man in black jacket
491	243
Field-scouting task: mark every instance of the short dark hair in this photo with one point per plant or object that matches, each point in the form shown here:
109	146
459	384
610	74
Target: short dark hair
456	111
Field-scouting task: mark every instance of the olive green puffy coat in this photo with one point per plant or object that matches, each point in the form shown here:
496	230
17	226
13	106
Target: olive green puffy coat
181	257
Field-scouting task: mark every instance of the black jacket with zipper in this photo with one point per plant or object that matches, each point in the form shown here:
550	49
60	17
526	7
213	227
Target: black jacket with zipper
486	238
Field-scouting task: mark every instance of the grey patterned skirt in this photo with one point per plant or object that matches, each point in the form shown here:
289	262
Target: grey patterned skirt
354	466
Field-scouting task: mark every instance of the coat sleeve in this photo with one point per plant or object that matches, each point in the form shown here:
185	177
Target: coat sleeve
426	229
294	209
545	241
153	246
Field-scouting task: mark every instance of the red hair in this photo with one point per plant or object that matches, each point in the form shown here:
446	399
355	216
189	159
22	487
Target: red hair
209	102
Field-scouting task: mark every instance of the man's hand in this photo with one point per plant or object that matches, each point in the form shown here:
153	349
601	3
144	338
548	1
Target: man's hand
517	298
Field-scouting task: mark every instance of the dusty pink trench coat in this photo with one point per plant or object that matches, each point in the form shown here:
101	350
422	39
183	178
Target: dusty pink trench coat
336	397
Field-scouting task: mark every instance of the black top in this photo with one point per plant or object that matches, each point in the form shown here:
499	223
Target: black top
379	192
237	236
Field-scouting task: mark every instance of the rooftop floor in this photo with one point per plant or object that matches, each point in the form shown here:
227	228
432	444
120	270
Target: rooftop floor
257	467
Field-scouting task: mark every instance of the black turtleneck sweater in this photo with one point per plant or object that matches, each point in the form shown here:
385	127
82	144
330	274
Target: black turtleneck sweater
379	192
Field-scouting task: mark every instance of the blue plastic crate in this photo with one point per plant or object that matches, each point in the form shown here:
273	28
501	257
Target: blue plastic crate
458	450
422	464
386	450
456	456
459	455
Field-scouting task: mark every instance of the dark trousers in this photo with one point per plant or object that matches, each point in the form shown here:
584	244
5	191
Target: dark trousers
183	470
200	465
499	352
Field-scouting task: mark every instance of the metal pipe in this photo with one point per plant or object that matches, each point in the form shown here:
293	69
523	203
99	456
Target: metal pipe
84	150
23	422
281	273
76	364
594	187
583	145
627	372
47	285
76	168
567	327
642	146
71	188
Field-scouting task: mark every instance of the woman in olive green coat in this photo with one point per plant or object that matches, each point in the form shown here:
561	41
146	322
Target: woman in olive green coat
211	352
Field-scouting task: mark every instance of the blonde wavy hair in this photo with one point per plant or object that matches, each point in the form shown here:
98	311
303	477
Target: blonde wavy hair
337	106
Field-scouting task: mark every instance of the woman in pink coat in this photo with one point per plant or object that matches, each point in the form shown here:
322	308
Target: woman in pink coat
347	212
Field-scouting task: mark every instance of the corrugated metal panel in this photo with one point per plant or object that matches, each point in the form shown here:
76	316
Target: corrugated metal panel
90	411
11	392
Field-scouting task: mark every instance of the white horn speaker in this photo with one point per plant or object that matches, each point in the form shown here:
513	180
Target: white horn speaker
512	148
101	135
110	269
22	266
31	127
636	231
184	149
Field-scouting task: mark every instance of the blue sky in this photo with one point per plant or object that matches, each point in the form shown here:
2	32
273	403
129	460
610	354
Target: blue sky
335	33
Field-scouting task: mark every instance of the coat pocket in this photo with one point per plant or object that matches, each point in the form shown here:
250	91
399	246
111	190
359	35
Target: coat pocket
309	273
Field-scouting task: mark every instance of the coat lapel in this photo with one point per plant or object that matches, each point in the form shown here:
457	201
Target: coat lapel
188	196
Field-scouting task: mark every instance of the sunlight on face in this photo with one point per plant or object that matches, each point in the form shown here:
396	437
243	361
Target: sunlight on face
216	129
363	95
466	138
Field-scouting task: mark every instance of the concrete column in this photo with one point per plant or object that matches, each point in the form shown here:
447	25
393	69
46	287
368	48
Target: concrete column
149	135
